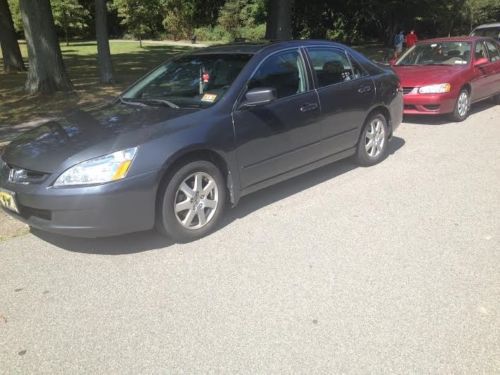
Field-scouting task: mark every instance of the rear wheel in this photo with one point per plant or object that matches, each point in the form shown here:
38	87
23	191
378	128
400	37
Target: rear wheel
462	106
192	202
372	146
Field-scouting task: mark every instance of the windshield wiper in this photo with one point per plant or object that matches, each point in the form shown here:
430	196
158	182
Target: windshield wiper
131	102
166	102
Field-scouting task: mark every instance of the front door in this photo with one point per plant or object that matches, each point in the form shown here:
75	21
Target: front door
282	135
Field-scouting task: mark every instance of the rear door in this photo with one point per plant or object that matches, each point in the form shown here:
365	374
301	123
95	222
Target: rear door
346	93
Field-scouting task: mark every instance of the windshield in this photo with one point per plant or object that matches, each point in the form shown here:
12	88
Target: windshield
188	81
492	32
442	53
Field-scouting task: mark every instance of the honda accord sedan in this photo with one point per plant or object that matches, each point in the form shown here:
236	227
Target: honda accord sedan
196	134
446	75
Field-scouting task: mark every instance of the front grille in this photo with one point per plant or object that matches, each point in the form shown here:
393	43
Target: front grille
407	90
410	106
24	176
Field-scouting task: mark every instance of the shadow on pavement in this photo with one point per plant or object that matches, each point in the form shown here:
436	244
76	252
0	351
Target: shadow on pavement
150	240
444	119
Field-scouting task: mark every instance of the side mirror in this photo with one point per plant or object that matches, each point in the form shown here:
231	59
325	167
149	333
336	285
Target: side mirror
481	61
259	96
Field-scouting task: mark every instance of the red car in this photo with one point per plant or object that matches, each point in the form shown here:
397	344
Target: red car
447	75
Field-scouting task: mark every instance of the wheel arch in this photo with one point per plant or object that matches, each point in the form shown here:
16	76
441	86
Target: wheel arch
198	153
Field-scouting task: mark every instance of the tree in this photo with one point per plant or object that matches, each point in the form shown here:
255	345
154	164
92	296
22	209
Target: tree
279	19
103	53
179	18
46	72
69	15
140	17
12	59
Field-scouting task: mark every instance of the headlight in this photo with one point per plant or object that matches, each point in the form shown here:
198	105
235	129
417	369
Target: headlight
435	89
103	169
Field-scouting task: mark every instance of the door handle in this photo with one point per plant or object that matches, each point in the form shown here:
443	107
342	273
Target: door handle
308	107
364	89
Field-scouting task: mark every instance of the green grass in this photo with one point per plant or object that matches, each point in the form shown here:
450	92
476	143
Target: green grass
129	62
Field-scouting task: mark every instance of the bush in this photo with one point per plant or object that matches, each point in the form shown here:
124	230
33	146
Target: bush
212	34
257	32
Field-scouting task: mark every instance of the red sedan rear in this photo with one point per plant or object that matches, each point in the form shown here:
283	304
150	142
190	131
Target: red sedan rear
447	75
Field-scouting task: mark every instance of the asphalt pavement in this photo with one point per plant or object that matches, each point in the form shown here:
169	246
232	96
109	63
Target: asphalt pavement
388	269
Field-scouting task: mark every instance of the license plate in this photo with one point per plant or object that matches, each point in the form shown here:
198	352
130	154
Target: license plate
8	200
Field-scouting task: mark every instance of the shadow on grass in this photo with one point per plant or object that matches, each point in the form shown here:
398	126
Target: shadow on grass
17	107
150	240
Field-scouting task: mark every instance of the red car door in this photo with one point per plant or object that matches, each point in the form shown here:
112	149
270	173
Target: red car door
493	67
480	80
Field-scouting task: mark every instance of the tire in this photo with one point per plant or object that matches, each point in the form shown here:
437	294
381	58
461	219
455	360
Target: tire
191	201
372	145
462	106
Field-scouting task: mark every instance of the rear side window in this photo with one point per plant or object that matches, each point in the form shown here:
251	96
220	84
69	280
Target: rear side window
492	51
357	69
492	32
284	71
330	65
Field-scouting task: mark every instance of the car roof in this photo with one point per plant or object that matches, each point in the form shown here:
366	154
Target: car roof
487	25
452	39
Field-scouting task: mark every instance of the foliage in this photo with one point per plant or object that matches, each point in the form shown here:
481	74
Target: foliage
239	17
179	18
16	14
69	15
141	18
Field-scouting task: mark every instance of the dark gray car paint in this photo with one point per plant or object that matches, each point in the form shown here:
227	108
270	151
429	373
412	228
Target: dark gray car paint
164	135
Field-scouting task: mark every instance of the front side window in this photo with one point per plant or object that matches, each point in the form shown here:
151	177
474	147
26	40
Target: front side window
283	71
190	80
439	53
330	65
493	52
480	51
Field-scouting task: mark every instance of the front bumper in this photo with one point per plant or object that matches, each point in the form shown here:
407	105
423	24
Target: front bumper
109	209
429	104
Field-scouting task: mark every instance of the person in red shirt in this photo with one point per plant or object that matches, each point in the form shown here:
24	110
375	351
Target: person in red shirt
411	39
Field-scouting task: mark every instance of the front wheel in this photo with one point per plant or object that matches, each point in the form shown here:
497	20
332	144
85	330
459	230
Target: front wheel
462	106
372	146
192	202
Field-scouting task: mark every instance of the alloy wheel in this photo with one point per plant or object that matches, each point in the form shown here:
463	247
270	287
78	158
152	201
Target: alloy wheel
375	138
196	200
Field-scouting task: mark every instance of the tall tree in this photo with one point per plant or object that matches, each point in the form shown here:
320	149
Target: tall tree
139	16
279	19
70	16
46	73
103	53
12	59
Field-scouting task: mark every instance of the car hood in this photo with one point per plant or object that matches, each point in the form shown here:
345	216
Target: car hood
422	75
80	135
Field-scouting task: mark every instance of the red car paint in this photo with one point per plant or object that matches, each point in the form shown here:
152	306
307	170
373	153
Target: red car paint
480	76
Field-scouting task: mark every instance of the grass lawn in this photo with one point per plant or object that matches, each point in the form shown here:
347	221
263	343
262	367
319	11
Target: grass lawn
129	62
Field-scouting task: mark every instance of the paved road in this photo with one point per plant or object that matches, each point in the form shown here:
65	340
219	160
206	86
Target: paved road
389	269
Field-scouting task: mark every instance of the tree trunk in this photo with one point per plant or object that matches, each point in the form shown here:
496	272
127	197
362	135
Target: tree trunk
279	20
12	59
47	73
103	53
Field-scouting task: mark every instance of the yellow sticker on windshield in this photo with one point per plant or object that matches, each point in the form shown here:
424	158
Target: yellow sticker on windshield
210	98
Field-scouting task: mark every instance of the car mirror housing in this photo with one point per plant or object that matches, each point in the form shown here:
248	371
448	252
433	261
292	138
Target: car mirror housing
259	96
481	61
